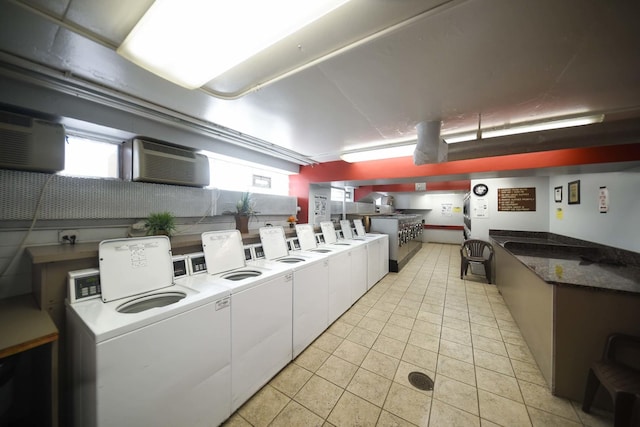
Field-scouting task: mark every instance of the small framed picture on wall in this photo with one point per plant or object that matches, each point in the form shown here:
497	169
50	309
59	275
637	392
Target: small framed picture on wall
574	192
557	194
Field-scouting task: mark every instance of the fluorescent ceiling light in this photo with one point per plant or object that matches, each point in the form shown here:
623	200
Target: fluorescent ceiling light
381	143
525	128
379	153
460	137
235	160
190	42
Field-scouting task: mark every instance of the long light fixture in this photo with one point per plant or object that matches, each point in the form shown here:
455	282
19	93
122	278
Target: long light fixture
190	42
524	128
379	153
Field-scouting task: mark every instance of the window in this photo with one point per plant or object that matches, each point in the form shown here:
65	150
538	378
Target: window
84	157
261	181
233	174
338	194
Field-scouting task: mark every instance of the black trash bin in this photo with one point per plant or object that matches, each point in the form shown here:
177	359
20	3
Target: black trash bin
7	372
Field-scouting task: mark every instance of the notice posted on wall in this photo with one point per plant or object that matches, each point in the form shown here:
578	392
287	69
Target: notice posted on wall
320	208
603	200
481	208
517	199
447	209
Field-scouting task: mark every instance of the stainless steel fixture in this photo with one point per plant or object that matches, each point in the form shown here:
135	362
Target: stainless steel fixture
405	237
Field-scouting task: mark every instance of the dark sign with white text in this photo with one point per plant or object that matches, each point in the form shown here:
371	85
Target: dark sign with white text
517	199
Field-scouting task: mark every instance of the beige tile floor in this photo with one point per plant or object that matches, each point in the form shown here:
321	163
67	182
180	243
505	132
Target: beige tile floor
425	319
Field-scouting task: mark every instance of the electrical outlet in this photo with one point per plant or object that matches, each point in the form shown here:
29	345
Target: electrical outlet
68	236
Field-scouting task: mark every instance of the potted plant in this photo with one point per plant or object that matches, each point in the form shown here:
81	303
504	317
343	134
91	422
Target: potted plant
245	209
160	223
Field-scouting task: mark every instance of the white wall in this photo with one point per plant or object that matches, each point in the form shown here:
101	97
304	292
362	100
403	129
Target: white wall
432	208
618	227
537	220
436	216
102	209
421	201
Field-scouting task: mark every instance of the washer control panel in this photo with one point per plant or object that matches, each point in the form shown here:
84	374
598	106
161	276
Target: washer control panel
180	268
259	251
84	284
293	244
248	254
197	263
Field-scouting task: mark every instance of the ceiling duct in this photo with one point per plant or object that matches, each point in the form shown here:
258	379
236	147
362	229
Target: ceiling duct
430	147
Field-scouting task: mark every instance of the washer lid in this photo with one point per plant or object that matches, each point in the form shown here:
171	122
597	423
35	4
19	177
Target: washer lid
359	227
306	236
134	266
223	250
328	231
345	226
274	242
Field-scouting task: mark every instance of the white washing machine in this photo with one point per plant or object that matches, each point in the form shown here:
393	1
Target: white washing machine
359	260
274	245
307	241
143	350
310	286
347	271
361	233
377	253
261	317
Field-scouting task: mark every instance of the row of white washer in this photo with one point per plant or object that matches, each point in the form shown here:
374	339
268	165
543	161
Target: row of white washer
211	340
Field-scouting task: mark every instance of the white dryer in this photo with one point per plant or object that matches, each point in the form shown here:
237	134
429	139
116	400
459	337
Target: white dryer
261	318
146	351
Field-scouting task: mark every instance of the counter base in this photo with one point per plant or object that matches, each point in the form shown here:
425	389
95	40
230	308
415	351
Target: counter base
395	266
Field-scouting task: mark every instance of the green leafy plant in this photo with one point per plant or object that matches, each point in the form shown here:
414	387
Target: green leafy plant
160	223
245	206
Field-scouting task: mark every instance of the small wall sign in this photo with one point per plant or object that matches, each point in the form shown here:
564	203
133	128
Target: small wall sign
481	208
603	200
557	194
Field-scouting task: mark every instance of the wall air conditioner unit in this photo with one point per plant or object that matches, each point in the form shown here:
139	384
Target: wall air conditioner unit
154	161
30	144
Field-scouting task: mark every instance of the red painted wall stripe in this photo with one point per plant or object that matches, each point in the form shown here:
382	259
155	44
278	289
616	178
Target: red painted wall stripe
403	167
444	227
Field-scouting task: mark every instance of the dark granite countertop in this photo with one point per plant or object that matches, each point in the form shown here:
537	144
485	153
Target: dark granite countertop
562	260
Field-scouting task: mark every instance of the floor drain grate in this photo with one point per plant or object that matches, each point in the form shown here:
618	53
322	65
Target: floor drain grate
421	381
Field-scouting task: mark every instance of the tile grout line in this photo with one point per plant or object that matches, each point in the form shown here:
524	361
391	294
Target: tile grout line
400	289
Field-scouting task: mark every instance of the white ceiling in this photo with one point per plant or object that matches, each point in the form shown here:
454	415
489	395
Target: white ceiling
506	60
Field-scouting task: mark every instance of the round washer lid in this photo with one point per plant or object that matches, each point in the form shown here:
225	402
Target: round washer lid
274	242
134	266
306	236
223	250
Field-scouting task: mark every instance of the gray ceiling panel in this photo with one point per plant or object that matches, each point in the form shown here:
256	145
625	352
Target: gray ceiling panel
506	60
